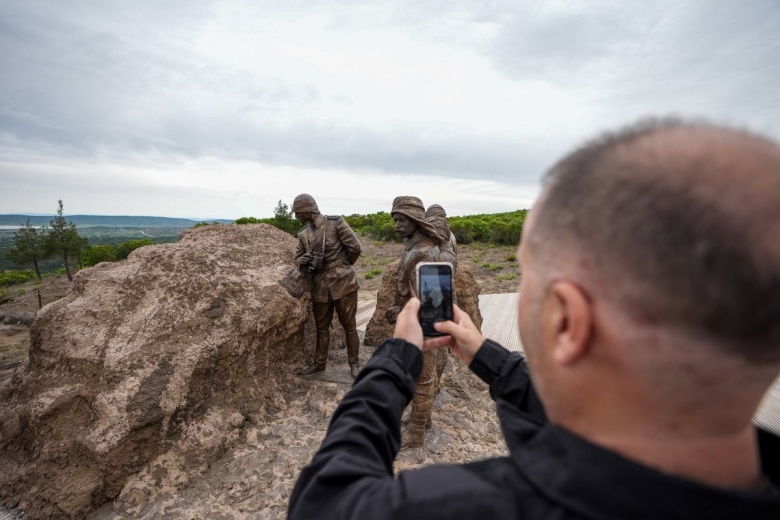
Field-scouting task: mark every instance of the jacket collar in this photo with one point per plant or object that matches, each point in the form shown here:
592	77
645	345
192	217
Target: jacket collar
317	221
417	237
577	474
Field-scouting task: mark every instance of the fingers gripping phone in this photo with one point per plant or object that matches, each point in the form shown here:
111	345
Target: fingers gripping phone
434	288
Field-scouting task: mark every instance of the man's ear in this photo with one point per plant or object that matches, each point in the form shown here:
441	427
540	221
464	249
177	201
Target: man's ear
572	321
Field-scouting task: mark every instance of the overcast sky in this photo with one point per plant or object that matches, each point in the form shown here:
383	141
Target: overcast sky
219	109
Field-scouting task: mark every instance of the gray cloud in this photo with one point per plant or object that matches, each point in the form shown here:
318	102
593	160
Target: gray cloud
123	79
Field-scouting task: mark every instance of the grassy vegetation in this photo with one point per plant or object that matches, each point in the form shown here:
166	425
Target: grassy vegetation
492	267
15	277
372	273
506	276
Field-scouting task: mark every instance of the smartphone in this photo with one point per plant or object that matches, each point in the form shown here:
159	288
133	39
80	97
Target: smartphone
434	288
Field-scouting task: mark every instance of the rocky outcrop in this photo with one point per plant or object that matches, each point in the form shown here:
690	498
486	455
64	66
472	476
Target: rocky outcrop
466	294
16	317
146	371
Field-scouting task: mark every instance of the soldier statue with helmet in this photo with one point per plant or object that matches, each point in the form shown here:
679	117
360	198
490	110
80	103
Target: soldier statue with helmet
327	249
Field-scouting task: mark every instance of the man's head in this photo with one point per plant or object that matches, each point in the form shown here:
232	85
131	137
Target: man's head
664	236
305	207
409	215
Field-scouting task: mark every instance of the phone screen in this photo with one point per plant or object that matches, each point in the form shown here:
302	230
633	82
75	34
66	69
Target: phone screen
435	292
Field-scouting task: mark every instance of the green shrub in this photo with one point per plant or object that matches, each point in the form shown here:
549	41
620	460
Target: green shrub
4	295
21	292
379	226
492	267
372	273
125	248
511	257
497	228
93	255
55	273
285	223
15	277
506	276
242	220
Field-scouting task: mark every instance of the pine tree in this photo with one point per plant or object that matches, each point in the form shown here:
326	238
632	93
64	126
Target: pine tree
29	246
64	241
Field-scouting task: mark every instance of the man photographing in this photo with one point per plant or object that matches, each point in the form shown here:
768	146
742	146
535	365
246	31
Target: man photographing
649	312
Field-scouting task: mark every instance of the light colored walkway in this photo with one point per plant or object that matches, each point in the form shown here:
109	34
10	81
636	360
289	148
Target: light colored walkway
499	323
499	319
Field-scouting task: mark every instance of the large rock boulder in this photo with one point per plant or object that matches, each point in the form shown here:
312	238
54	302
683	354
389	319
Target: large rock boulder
147	370
466	296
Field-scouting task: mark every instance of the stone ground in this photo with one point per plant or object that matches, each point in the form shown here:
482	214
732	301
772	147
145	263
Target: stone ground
255	480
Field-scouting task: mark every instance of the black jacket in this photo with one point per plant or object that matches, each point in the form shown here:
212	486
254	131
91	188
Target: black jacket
550	472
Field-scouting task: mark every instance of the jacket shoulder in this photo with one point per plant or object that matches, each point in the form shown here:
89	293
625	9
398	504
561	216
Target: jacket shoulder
303	229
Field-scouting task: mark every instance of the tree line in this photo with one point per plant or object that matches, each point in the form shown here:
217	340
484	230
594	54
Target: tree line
61	240
493	228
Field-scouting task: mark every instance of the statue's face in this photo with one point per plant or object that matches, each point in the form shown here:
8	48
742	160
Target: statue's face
404	225
303	216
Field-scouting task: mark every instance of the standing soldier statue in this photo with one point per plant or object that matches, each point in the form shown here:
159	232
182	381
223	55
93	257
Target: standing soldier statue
327	249
420	245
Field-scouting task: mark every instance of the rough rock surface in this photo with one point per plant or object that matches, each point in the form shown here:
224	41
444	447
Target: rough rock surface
16	317
149	370
255	479
466	294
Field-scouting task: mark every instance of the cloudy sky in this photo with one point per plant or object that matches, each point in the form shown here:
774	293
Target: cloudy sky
221	108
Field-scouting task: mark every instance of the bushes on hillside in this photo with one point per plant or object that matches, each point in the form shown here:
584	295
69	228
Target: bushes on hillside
93	255
125	248
283	219
15	277
496	228
379	226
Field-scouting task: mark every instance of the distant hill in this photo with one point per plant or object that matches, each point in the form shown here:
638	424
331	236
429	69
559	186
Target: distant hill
106	221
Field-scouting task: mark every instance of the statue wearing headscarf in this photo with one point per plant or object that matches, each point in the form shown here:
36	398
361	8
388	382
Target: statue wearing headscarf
448	250
421	245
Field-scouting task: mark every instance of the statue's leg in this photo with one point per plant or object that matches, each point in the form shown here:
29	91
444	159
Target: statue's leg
422	403
346	308
442	356
323	314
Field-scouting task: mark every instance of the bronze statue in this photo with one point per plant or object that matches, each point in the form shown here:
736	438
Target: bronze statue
448	252
327	249
420	245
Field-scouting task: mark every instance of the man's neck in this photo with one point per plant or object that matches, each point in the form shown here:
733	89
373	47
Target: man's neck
723	460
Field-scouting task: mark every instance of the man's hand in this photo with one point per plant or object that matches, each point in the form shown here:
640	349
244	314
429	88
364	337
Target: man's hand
463	336
407	325
305	259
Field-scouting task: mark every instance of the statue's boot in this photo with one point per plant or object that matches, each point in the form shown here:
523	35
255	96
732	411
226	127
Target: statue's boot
320	354
353	351
422	403
323	344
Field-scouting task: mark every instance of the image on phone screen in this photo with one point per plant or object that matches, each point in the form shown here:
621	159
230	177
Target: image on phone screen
435	291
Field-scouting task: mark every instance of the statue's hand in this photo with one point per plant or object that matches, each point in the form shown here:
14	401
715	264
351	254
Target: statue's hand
305	259
391	314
